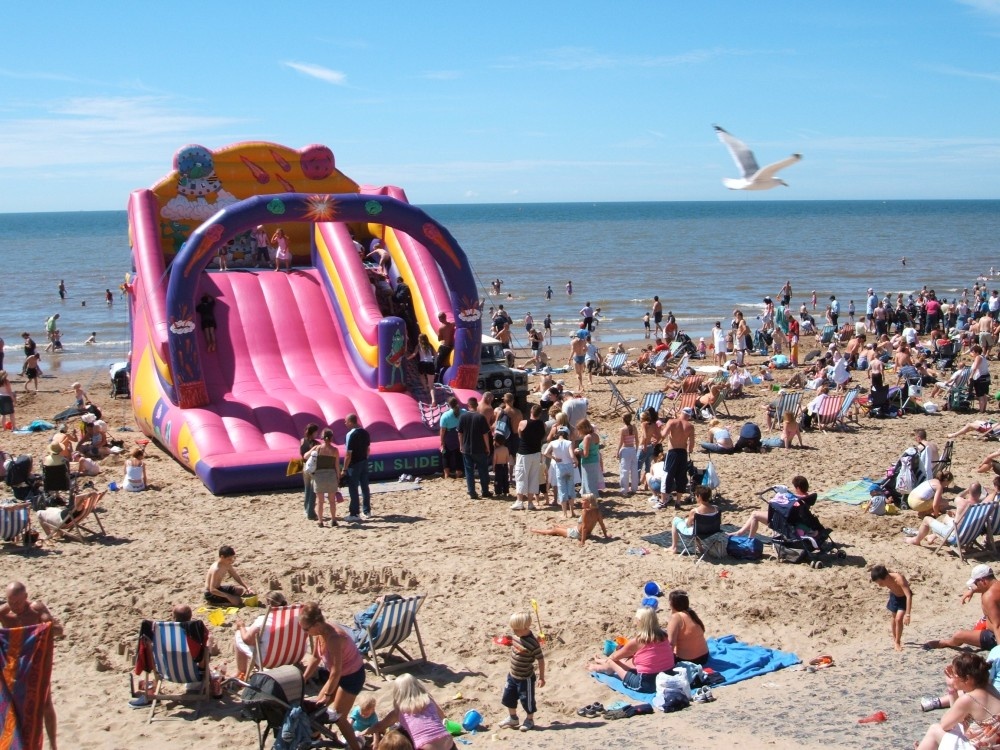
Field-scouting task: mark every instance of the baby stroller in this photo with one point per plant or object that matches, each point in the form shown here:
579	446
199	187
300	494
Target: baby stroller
908	464
270	699
795	526
761	341
18	476
685	346
120	380
946	355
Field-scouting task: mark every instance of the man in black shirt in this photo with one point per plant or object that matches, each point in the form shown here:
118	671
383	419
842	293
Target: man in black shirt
528	465
356	468
473	436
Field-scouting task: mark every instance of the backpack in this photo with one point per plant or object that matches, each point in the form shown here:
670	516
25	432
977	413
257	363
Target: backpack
17	470
745	548
904	479
502	426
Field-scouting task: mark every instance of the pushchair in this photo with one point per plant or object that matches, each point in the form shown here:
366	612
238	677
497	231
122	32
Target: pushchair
796	527
120	380
24	484
908	463
762	340
946	355
270	698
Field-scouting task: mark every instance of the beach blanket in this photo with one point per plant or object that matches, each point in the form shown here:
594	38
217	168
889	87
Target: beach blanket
382	487
25	673
852	493
733	660
39	425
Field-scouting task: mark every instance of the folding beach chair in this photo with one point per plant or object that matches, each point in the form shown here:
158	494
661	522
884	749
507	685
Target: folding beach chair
788	402
284	639
692	384
848	410
658	362
652	400
685	401
85	507
708	538
829	411
827	335
57	480
173	663
615	364
390	626
944	460
681	370
957	390
618	400
720	403
14	521
976	521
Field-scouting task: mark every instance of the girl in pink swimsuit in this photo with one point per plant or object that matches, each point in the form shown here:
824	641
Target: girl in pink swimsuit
284	255
418	714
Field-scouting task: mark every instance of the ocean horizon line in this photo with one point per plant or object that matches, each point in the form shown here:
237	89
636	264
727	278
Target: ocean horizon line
735	200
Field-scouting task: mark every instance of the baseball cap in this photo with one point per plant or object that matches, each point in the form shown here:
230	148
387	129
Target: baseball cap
563	430
979	573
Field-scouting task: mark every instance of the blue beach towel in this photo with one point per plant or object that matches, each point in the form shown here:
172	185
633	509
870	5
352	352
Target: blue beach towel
735	661
39	425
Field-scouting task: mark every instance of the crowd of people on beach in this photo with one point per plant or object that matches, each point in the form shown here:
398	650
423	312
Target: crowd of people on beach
552	454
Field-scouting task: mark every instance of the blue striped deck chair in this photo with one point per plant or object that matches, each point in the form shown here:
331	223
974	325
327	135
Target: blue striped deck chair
14	521
977	520
659	361
827	335
615	364
390	626
173	663
845	412
652	400
787	402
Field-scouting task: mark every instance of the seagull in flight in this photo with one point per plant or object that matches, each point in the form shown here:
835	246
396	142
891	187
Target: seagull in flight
754	178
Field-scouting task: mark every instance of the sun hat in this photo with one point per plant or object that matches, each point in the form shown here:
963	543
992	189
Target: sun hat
88	418
582	333
979	573
55	449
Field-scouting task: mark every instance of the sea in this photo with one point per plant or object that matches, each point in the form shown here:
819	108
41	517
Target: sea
703	260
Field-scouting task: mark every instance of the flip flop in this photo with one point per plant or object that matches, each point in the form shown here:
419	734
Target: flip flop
821	662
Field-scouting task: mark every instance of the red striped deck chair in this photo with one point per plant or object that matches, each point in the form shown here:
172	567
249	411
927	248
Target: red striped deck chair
685	401
692	383
284	639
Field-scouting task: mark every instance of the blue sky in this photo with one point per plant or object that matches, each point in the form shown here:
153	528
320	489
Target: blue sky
508	102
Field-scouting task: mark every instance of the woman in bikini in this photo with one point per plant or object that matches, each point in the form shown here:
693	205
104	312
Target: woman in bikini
973	717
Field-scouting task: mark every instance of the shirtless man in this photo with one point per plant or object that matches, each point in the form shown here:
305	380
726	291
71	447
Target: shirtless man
219	592
446	345
579	356
658	315
983	581
678	434
32	371
984	331
18	612
590	517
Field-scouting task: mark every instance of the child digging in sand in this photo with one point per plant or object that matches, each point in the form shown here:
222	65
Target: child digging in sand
521	680
900	600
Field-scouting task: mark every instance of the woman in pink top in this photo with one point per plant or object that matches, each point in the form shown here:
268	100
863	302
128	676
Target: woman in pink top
641	658
333	647
418	714
284	254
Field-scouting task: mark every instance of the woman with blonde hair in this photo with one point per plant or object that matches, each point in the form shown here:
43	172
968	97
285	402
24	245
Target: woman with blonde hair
642	657
417	714
135	471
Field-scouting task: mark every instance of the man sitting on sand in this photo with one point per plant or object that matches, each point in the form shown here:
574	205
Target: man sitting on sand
590	517
218	592
983	581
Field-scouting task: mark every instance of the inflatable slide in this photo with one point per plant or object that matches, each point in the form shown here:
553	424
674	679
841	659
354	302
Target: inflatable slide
310	344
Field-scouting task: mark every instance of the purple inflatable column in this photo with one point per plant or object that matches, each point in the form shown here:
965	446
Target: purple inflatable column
391	351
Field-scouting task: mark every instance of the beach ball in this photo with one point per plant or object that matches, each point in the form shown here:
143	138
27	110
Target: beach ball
472	720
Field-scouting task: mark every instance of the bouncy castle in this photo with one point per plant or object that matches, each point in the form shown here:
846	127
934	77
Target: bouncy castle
308	344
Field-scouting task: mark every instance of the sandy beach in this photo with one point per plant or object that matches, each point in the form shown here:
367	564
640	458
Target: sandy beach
477	563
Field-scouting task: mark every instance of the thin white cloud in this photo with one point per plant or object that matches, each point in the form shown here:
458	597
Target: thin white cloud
584	58
992	7
328	75
441	75
103	131
962	73
37	75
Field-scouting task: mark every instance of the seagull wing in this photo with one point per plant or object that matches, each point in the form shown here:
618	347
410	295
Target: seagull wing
771	169
741	154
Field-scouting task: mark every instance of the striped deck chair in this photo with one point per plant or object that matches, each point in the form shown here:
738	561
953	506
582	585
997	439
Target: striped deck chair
652	400
659	361
173	663
14	521
390	626
975	522
685	401
615	364
692	384
720	403
680	370
827	334
957	390
285	641
848	410
788	401
829	410
618	400
86	504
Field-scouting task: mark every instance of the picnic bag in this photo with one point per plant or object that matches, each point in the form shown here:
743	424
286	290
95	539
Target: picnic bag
745	548
904	479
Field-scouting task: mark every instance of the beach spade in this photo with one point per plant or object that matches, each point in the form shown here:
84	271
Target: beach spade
541	633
